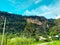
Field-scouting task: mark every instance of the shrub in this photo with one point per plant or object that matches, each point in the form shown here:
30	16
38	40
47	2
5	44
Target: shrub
20	41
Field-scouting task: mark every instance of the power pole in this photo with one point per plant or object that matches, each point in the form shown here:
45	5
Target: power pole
2	42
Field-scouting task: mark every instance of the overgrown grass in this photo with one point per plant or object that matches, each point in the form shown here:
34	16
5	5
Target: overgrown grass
20	41
54	43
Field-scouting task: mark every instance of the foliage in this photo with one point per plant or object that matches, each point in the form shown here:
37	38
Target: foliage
54	43
20	41
17	27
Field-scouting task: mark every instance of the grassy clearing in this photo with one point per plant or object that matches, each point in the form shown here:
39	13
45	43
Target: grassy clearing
26	41
20	41
54	43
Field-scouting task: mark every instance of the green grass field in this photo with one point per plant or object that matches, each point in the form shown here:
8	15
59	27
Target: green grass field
54	43
26	41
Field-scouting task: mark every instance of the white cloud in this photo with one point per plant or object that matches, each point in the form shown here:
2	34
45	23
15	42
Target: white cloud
27	12
40	11
51	10
56	8
37	1
57	17
10	12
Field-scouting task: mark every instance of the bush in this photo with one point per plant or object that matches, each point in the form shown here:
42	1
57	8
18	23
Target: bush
20	41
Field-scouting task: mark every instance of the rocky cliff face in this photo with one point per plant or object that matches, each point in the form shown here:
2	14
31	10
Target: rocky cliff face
34	21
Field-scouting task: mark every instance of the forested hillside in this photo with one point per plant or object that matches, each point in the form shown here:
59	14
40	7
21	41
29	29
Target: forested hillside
29	26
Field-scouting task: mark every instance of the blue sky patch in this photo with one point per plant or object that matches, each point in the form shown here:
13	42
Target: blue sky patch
47	8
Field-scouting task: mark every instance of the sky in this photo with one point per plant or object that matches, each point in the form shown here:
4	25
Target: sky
46	8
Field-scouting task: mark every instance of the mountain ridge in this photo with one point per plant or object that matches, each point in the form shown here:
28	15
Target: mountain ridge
19	24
